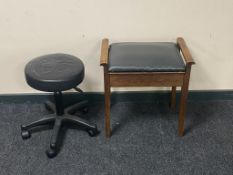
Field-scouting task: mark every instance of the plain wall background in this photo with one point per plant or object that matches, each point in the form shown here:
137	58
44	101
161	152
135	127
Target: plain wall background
30	28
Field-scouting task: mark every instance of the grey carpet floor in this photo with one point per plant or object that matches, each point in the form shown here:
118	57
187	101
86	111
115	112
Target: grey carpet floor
144	141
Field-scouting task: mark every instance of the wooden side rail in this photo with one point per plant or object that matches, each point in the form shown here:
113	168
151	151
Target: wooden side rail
143	79
104	52
185	51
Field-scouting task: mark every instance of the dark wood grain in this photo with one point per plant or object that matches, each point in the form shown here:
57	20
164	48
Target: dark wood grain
107	94
185	51
146	79
173	98
183	100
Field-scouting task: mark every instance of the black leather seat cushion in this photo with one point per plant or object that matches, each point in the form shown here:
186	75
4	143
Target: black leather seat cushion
54	72
145	57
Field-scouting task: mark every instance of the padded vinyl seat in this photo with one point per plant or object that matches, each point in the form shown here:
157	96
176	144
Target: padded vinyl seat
54	72
145	57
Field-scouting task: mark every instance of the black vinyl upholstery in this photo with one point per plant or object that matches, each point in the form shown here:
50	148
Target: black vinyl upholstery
145	57
54	72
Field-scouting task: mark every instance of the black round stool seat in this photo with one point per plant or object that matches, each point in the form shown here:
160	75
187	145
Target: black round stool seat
54	72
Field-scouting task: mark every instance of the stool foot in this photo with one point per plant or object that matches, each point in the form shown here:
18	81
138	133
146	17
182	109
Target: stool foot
82	106
50	106
55	134
44	121
58	121
25	134
90	128
93	132
51	153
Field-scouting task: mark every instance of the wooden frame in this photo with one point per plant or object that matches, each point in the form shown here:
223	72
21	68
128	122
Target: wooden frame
130	79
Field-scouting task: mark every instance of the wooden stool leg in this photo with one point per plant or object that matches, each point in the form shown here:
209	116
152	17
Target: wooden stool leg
107	102
183	100
173	98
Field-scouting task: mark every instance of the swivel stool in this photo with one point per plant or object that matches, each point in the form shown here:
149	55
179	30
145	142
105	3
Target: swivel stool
56	73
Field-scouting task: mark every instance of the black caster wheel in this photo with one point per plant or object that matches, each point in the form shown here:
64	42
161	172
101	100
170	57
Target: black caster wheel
51	153
25	134
52	146
23	127
93	132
